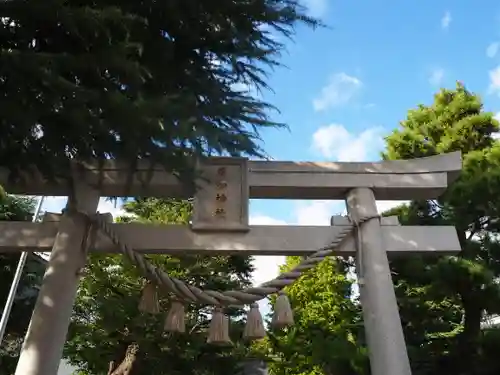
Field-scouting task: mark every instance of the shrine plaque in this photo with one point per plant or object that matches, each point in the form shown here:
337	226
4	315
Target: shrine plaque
221	201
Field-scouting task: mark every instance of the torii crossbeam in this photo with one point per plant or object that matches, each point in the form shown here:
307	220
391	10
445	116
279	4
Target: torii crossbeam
259	240
220	225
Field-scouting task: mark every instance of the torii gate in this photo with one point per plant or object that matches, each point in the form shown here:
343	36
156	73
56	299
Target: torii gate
220	225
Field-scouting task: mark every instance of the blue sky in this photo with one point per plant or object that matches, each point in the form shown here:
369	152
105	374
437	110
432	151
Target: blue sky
350	84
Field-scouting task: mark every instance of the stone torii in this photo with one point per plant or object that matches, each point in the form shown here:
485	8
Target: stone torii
220	225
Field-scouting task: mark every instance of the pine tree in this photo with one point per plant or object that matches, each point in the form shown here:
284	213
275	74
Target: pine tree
136	79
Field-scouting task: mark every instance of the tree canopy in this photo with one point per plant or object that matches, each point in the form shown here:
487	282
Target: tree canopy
106	318
327	335
443	301
128	80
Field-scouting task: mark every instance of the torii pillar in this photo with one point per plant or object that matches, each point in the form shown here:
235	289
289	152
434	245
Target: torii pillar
42	348
384	332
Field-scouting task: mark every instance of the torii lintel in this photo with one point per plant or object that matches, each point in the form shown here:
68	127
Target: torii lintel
423	178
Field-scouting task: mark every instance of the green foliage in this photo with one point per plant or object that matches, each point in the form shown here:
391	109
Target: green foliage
134	79
166	211
454	122
14	208
106	317
326	336
443	300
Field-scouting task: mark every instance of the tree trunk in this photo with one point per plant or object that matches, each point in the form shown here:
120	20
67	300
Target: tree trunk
129	363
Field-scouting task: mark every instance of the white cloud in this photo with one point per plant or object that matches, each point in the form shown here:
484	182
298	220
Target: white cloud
270	32
316	8
304	213
54	204
436	77
115	209
246	88
317	212
241	87
266	267
339	91
496	135
492	49
494	87
65	368
334	141
320	212
383	206
310	213
265	220
446	20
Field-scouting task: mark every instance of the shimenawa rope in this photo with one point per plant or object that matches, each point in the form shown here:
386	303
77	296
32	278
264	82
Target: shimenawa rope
193	294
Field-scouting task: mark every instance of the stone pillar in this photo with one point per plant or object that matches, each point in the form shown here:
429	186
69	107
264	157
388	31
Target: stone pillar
384	333
43	345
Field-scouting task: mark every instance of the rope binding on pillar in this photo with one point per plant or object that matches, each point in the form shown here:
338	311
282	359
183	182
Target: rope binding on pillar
190	294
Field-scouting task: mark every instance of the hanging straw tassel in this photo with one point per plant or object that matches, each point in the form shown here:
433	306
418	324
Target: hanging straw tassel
254	328
283	314
176	318
149	299
218	332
